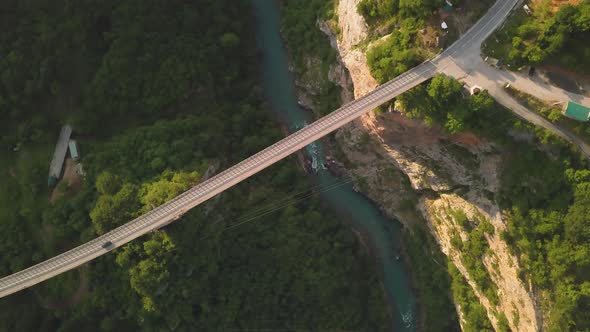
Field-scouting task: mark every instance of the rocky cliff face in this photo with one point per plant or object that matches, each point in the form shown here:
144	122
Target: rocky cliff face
416	172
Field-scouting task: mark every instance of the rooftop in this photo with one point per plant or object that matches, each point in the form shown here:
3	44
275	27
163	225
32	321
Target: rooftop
61	148
576	111
74	149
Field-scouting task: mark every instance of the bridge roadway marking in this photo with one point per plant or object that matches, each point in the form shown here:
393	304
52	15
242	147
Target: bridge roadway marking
170	211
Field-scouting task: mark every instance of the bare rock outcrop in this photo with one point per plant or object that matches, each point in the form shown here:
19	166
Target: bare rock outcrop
352	25
353	31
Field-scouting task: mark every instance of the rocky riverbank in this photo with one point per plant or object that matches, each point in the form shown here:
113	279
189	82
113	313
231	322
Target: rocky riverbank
417	173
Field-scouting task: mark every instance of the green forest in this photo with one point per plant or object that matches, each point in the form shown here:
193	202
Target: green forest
548	229
401	50
159	93
545	37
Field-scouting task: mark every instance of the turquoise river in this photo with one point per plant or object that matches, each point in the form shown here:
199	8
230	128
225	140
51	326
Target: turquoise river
383	233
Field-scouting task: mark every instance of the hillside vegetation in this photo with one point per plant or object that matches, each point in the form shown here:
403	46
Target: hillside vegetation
309	49
401	50
544	193
545	37
396	11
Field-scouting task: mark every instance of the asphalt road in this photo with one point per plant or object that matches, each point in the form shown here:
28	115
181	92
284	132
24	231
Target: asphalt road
464	62
173	209
507	101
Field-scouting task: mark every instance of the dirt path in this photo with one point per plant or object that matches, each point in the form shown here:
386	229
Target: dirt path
394	128
70	177
475	71
564	71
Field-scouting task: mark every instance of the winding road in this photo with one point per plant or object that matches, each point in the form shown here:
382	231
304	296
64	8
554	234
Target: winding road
176	207
472	70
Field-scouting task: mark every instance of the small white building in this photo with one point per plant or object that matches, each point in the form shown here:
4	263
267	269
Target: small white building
527	9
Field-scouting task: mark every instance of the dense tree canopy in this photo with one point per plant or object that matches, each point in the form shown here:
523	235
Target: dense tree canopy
545	37
380	10
547	226
158	92
393	57
441	101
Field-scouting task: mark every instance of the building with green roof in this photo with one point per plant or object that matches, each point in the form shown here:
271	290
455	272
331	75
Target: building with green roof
74	150
576	111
